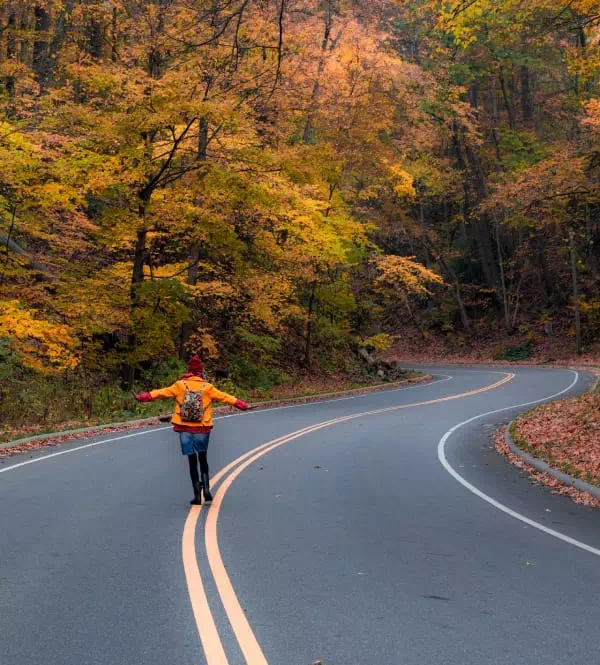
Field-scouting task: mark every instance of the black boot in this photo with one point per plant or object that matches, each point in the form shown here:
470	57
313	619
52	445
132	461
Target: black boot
197	500
206	488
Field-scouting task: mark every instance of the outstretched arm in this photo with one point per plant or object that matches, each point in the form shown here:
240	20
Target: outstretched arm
162	393
219	396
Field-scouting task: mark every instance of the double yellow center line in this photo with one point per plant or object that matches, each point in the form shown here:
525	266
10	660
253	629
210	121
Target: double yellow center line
207	629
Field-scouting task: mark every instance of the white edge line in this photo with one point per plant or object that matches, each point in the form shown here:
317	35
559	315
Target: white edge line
233	415
87	445
489	499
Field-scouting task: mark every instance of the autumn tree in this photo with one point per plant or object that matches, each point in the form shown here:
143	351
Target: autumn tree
244	179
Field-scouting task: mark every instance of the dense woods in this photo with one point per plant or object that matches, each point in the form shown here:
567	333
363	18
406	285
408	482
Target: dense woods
276	183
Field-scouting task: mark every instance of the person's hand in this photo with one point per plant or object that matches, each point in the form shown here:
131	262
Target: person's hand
241	405
144	397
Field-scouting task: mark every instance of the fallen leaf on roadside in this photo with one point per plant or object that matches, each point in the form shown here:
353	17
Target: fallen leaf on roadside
538	477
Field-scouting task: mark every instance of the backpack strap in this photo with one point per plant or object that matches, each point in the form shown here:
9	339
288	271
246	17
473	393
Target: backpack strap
202	387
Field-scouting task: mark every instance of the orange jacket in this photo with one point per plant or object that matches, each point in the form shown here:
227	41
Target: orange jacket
209	395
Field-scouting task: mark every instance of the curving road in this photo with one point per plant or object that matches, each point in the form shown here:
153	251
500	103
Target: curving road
394	536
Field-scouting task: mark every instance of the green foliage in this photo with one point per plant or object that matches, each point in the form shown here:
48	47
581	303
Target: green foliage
248	373
110	401
7	360
514	353
161	310
521	149
161	373
31	398
262	347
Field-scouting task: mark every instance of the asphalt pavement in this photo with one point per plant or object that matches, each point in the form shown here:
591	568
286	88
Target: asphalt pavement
350	544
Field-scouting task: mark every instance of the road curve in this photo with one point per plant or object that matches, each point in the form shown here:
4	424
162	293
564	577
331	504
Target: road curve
350	542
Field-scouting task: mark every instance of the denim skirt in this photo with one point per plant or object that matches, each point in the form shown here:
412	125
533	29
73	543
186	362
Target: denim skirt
193	443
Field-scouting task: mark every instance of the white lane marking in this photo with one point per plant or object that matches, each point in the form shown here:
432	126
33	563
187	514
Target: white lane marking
496	369
87	445
232	415
489	499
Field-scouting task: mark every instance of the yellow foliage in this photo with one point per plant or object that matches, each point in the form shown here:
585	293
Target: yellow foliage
204	344
402	181
380	342
406	274
269	298
42	345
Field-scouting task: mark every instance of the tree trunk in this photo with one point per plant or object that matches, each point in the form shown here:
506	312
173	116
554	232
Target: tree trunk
196	251
494	113
471	163
526	100
412	316
11	54
137	277
332	188
507	316
307	135
543	272
41	46
114	35
309	325
202	138
24	46
156	57
576	306
8	243
464	317
95	39
60	34
192	279
481	234
139	259
474	95
505	96
497	149
437	256
592	242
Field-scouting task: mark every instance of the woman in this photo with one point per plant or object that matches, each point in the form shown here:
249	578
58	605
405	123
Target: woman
192	418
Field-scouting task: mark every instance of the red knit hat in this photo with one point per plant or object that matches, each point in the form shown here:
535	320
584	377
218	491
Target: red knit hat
195	365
